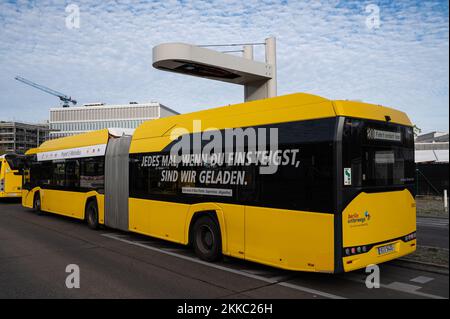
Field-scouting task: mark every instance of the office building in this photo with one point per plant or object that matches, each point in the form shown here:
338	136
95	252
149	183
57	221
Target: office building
94	116
432	147
19	137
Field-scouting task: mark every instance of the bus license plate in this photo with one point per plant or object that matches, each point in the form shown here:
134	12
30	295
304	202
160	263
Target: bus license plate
385	249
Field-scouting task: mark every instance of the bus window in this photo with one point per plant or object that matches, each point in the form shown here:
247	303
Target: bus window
92	173
58	178
378	154
15	162
72	173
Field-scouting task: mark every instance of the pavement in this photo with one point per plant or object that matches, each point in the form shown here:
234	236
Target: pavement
35	251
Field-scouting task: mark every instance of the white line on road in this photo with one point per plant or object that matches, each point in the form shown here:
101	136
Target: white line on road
439	220
238	272
433	222
432	225
422	279
401	286
398	286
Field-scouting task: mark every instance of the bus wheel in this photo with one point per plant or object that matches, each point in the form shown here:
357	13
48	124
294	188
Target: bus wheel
207	241
91	214
37	203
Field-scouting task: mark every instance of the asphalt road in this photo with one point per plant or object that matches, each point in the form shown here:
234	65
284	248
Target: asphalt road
35	250
432	232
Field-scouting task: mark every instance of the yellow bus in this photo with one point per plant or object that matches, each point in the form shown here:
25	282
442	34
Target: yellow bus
10	176
297	182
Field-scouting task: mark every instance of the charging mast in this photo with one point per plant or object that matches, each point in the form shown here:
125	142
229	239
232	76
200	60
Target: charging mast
258	78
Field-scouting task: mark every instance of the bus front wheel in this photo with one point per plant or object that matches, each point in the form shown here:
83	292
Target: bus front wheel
207	241
92	214
37	203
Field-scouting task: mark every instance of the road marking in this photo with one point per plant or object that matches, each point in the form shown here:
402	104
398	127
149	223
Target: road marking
174	250
432	225
411	289
237	272
311	291
398	286
422	279
140	241
256	272
280	278
433	222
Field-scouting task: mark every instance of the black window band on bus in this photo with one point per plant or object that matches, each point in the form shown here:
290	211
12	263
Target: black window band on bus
15	161
77	175
308	187
379	155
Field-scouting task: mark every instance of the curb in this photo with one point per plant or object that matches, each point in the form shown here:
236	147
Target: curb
419	265
433	216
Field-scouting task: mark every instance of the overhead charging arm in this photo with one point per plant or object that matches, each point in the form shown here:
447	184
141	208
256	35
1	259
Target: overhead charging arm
258	78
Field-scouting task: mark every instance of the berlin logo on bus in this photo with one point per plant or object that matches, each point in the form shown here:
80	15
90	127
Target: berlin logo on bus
357	219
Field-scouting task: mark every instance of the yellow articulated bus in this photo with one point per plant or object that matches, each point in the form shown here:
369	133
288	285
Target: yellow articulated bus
297	182
10	176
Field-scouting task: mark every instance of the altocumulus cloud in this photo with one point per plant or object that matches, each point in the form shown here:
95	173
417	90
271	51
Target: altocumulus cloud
324	48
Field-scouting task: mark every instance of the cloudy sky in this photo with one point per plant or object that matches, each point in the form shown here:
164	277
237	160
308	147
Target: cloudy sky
329	48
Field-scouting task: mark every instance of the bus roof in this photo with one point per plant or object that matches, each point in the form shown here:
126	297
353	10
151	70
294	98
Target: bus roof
287	108
370	112
80	140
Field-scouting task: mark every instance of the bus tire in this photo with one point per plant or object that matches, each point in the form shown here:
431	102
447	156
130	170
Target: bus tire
91	214
206	239
37	203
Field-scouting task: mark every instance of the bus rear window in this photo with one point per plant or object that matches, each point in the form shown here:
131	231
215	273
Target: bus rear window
377	154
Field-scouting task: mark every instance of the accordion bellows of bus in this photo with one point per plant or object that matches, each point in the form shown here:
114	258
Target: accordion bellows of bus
297	182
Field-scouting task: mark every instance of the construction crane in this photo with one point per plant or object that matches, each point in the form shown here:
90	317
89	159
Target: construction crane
64	98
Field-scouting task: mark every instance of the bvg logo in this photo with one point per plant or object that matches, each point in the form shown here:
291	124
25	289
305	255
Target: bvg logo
357	219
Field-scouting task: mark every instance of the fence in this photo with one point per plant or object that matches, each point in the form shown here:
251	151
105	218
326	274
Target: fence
431	178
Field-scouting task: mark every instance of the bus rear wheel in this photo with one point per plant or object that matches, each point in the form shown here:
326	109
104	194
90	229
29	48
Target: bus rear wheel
206	240
91	214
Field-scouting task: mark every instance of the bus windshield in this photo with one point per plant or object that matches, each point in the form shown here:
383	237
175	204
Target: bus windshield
377	154
15	162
